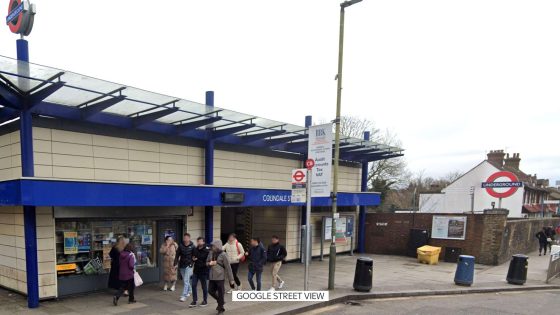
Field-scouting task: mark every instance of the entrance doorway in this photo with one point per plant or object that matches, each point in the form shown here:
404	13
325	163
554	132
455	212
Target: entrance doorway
239	221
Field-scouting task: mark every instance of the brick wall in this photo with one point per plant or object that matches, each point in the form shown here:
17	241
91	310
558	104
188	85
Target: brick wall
490	237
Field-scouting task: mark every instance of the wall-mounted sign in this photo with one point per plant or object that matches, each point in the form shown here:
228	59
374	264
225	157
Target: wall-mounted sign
320	151
344	229
231	197
449	227
502	189
21	15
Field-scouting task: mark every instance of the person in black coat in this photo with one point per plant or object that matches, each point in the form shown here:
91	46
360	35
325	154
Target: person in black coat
200	271
257	260
543	240
114	282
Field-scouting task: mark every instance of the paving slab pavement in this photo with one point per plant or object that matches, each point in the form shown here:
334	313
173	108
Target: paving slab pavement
392	276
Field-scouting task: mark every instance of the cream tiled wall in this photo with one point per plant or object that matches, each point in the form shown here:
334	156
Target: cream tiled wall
248	170
10	156
349	178
293	235
12	251
80	156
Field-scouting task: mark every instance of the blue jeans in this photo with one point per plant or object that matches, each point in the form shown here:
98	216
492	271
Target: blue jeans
250	278
186	273
203	278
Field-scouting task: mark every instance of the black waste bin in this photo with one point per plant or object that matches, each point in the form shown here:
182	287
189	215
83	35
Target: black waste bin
517	272
363	275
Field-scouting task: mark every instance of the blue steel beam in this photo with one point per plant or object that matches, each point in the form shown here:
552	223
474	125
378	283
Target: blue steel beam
182	128
7	114
92	109
37	97
148	118
262	135
219	133
9	97
209	177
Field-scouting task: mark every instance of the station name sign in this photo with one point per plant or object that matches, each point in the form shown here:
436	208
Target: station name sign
21	15
502	184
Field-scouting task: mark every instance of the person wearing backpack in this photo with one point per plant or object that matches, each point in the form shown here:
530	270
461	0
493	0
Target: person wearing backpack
257	260
276	253
236	255
220	270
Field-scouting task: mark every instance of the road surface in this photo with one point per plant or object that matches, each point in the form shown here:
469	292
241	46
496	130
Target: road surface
522	302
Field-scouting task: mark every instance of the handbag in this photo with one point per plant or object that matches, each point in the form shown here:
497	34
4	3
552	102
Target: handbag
137	279
242	259
548	239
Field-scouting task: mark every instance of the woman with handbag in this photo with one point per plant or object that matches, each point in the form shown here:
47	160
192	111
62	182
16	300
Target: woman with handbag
236	255
127	260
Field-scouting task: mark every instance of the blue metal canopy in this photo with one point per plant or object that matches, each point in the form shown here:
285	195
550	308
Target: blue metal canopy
56	93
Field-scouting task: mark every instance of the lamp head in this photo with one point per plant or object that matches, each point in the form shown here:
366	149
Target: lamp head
348	3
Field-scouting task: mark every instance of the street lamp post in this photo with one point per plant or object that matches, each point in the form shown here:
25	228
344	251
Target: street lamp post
332	250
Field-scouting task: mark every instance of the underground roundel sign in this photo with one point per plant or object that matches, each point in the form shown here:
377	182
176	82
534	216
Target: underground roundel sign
20	17
502	184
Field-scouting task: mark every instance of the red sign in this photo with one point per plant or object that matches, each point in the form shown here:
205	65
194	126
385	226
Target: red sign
491	184
309	163
298	176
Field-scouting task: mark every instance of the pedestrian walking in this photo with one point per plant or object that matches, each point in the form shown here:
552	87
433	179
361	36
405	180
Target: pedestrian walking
169	250
257	260
220	270
275	254
543	240
200	272
236	255
114	254
183	260
127	260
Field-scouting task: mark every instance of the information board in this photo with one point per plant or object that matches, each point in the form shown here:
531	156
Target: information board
449	227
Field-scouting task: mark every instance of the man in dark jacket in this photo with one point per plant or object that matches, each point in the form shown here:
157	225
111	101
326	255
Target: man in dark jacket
257	260
184	259
543	240
276	253
200	272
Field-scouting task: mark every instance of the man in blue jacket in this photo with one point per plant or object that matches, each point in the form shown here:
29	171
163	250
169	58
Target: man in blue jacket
257	260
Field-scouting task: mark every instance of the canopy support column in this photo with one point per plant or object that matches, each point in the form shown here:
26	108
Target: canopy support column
209	177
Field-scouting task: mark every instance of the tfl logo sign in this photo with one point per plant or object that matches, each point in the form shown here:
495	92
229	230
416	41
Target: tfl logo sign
20	17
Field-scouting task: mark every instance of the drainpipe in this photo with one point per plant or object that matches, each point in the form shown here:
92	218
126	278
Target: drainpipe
209	177
362	213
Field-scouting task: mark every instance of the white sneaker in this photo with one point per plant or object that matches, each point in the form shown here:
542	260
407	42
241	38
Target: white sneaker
272	289
281	285
240	287
228	292
172	288
183	299
165	287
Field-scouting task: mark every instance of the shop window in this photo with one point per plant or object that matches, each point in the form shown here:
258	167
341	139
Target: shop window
83	246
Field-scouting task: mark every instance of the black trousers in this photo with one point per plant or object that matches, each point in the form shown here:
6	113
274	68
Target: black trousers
127	285
234	269
203	278
216	290
543	245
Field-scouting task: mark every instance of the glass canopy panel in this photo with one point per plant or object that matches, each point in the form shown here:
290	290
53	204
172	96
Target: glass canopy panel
70	97
127	107
145	96
21	83
19	69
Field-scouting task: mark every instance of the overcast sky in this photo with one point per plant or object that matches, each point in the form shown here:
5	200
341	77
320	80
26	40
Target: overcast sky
453	79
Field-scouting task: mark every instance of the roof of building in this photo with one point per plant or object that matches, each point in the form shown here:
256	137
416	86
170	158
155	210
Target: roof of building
535	208
56	93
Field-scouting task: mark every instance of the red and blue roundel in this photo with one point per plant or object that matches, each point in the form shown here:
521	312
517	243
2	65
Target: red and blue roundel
20	16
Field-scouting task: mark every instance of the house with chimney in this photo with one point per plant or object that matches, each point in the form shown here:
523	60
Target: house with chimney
466	195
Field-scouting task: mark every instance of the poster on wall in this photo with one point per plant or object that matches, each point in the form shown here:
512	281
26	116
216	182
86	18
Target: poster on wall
449	227
320	151
70	243
341	229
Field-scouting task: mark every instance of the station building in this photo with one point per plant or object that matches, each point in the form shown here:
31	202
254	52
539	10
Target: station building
83	161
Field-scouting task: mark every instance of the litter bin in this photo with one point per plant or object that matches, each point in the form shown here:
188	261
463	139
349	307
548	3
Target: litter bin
363	275
428	254
465	270
517	272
